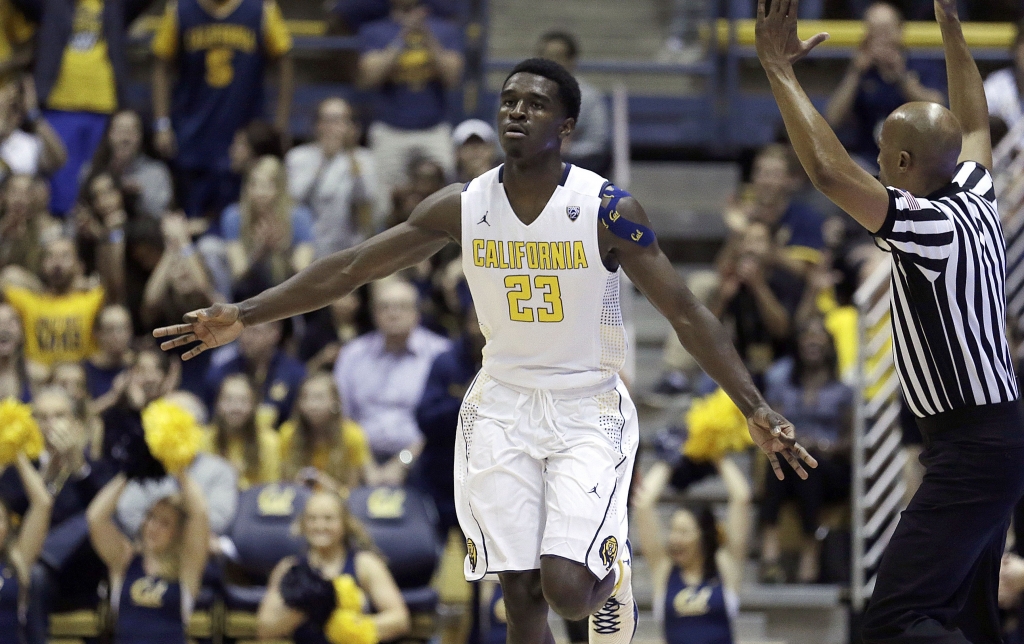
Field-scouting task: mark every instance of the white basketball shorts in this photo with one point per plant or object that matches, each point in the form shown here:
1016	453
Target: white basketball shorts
541	472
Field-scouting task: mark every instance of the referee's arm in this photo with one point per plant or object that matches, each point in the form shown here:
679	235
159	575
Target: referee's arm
827	163
966	89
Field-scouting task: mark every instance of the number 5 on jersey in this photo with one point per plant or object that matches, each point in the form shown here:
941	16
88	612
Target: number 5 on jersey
521	291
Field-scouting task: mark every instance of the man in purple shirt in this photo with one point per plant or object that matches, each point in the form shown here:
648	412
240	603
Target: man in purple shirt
381	376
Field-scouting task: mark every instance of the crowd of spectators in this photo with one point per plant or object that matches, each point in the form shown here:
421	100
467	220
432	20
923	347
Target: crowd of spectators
115	221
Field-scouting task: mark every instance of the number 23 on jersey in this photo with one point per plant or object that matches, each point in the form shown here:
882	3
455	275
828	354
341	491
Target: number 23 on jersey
521	292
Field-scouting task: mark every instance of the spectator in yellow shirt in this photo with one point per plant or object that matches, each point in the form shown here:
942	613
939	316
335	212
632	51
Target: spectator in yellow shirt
58	318
15	39
242	433
81	70
318	444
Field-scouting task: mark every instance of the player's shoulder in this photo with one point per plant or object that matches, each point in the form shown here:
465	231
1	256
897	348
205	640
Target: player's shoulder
583	181
485	181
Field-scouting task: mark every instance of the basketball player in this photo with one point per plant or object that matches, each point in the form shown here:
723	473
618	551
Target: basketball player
933	208
547	432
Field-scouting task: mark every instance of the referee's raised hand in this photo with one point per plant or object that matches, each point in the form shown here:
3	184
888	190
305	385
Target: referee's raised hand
775	435
210	327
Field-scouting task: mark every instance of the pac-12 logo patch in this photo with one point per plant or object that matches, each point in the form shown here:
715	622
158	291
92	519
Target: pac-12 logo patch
609	551
573	212
471	551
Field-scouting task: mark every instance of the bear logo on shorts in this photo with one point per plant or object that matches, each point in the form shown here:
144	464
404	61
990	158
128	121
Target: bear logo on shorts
609	551
471	551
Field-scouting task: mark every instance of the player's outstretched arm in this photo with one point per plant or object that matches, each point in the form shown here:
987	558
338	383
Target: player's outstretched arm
433	224
827	163
703	336
966	90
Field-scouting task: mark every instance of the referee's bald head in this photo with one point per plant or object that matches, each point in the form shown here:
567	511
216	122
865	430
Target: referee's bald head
919	146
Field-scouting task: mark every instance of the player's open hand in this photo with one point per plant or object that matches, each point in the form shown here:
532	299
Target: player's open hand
210	327
775	34
775	435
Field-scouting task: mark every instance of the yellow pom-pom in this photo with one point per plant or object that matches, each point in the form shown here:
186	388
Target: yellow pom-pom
350	627
172	434
715	427
350	596
18	432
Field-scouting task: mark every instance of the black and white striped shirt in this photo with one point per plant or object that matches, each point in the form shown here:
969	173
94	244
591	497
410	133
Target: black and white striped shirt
948	304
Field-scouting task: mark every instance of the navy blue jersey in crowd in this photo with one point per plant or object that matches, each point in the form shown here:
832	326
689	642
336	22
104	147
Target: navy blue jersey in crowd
149	609
280	387
413	99
799	232
10	591
308	632
696	614
221	61
876	99
437	416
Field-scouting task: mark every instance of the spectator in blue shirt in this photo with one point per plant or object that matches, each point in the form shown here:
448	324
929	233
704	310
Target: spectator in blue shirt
268	238
258	354
113	333
438	417
879	79
795	227
409	60
809	390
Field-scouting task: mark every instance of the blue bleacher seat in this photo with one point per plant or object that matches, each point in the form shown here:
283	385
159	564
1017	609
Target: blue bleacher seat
403	524
263	534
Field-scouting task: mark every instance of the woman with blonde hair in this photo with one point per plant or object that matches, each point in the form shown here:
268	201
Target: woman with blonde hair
20	548
300	595
318	436
242	433
269	238
153	583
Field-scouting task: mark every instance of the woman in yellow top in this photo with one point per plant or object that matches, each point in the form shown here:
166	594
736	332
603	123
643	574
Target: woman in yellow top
317	436
243	433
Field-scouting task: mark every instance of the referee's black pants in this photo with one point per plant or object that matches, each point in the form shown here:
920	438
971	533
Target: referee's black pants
938	578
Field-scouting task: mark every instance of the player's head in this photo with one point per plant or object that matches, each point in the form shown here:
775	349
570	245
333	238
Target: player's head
559	46
693	538
918	147
538	107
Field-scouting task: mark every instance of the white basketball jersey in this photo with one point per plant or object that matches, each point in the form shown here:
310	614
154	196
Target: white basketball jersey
547	305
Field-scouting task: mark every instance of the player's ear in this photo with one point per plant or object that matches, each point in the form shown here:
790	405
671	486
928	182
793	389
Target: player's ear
568	125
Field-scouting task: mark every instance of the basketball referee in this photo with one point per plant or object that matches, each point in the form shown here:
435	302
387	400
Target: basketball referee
934	209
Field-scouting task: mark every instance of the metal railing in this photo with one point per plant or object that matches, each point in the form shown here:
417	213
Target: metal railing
878	458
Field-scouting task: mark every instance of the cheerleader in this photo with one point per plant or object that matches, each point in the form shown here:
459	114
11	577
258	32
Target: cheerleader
20	548
339	590
153	583
696	573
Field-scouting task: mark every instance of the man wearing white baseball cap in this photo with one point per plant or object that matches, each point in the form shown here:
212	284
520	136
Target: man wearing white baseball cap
476	149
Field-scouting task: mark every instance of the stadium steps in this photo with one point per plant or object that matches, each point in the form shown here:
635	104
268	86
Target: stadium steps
619	31
606	30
